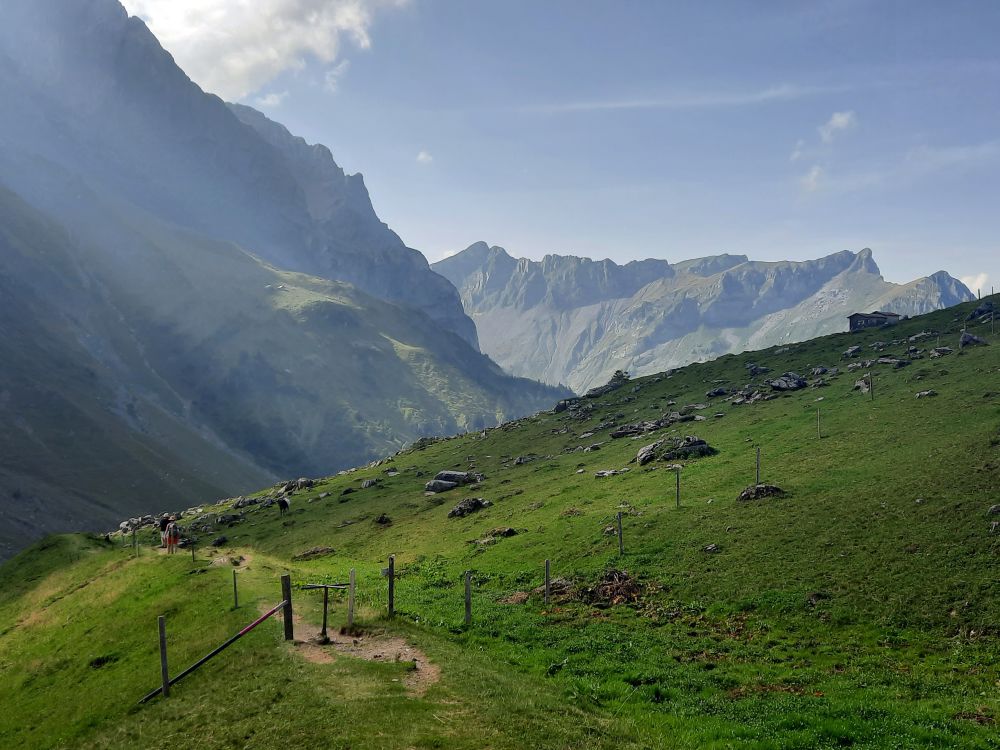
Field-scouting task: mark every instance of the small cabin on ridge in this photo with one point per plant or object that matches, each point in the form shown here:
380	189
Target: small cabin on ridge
862	321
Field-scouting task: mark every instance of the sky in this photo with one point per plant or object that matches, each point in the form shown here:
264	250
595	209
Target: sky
627	129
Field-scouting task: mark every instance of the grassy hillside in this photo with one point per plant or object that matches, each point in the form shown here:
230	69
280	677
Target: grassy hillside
860	610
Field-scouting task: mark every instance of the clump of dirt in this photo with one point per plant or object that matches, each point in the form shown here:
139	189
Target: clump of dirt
313	552
559	588
615	587
518	597
759	492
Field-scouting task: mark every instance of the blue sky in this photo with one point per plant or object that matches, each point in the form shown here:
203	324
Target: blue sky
637	129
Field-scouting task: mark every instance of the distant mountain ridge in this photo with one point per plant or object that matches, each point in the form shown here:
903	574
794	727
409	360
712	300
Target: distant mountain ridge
574	320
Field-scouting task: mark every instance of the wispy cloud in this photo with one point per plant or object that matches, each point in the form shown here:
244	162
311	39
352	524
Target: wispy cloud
976	282
424	157
838	123
922	163
331	79
799	151
272	100
234	47
812	179
689	100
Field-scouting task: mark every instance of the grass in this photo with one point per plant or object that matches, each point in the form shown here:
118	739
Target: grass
859	611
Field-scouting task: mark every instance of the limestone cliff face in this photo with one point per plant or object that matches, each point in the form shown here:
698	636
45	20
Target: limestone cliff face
575	321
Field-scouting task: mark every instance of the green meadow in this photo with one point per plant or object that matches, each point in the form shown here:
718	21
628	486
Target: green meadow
858	610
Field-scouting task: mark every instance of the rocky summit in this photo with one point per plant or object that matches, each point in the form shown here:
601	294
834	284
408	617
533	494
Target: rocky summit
574	320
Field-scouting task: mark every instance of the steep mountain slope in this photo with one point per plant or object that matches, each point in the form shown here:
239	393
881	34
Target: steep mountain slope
858	610
573	320
198	303
94	92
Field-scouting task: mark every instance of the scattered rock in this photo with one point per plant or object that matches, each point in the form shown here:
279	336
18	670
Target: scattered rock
862	385
521	460
760	491
790	381
690	446
369	483
243	502
459	477
852	351
610	472
219	541
926	394
712	548
383	520
647	453
467	506
970	339
438	485
994	510
228	519
313	552
716	392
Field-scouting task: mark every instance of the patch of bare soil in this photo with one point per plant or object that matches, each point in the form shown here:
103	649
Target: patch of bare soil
233	560
374	647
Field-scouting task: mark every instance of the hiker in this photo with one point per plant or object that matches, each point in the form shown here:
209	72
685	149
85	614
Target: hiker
283	503
164	522
173	534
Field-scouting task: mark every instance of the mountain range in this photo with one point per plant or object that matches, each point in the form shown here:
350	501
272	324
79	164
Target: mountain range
192	300
574	320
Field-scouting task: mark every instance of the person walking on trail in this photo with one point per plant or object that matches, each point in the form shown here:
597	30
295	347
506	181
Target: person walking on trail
164	522
173	535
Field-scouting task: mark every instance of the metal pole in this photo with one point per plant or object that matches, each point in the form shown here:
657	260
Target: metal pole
350	603
548	586
392	585
677	472
819	430
621	539
236	598
286	594
758	465
161	622
326	602
468	598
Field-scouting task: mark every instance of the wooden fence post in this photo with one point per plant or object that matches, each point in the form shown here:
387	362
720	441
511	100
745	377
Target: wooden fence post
678	473
286	595
350	603
548	586
392	585
135	543
468	598
758	465
819	430
236	598
161	622
621	538
323	637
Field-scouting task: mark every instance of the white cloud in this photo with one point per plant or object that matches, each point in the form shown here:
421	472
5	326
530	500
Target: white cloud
424	157
810	181
976	282
235	47
838	122
695	100
798	151
331	79
272	100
